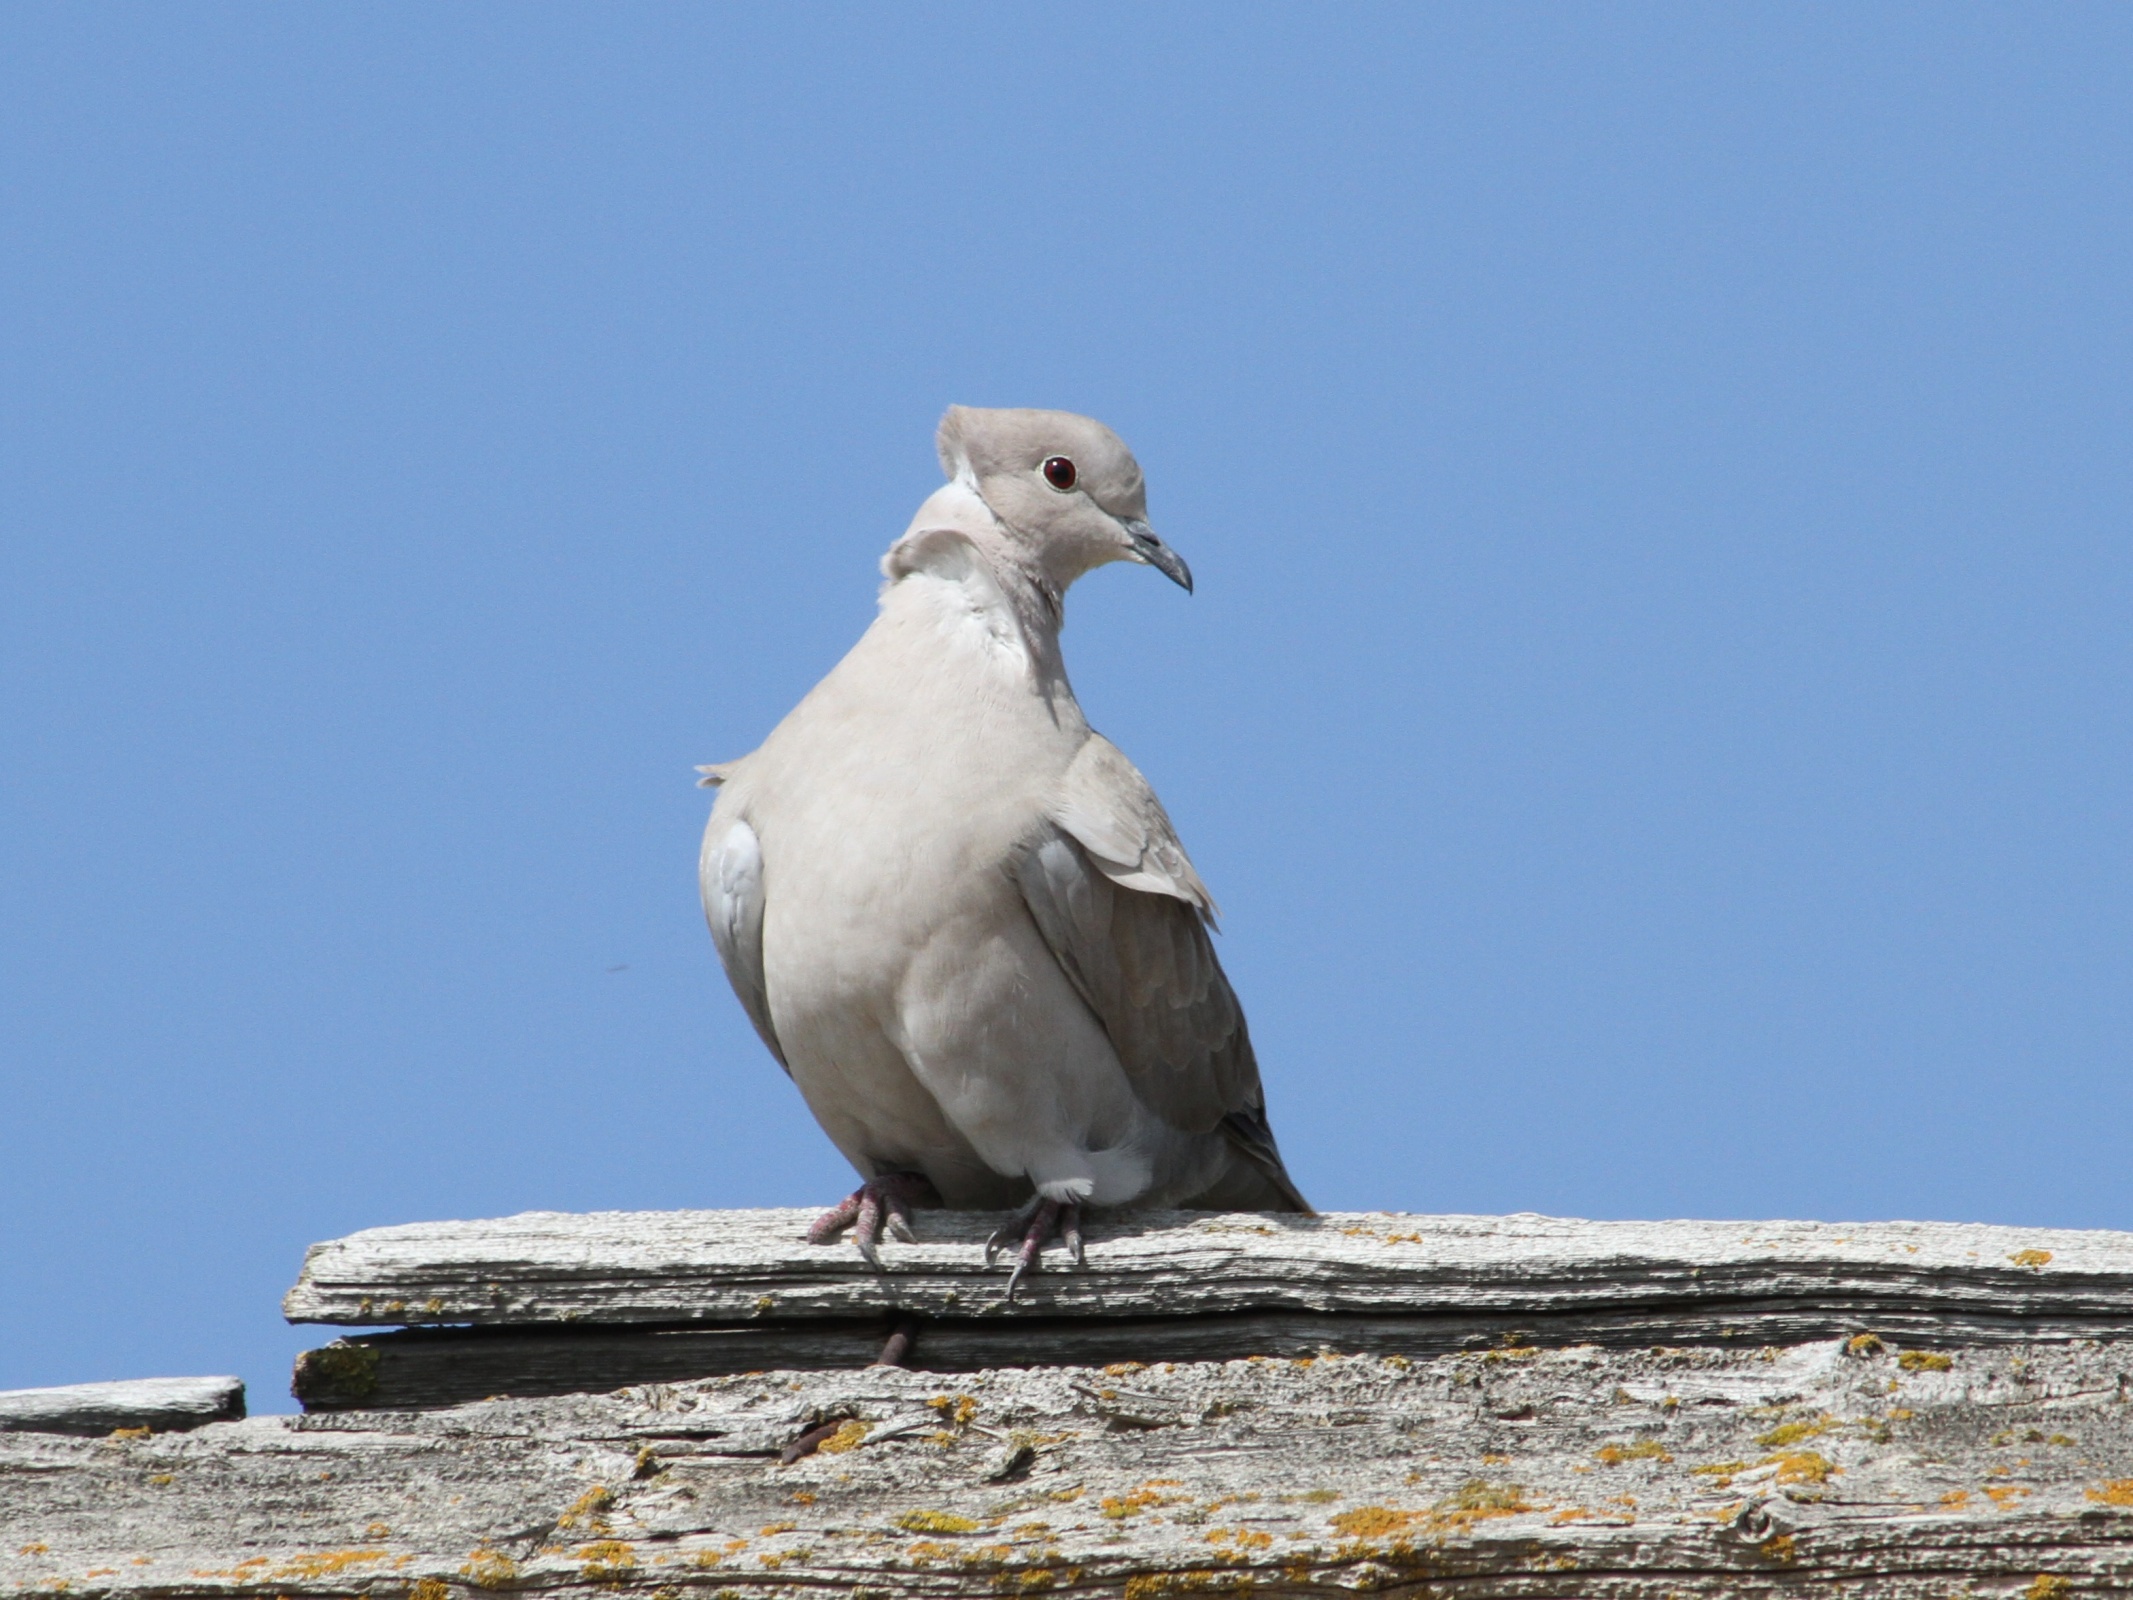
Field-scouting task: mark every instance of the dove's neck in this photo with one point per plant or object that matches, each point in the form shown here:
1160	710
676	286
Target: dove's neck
957	559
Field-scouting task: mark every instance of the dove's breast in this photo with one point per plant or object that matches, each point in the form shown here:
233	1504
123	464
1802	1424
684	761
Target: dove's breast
903	784
890	806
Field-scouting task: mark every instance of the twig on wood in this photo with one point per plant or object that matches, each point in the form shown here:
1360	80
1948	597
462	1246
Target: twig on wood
809	1442
903	1334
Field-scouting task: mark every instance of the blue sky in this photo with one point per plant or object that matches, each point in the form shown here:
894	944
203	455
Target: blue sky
1655	711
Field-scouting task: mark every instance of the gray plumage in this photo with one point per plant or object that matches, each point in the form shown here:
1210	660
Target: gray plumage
957	915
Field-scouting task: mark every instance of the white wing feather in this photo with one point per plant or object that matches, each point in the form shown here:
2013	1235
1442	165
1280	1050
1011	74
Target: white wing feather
731	875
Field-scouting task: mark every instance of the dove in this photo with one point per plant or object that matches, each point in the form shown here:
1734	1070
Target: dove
957	915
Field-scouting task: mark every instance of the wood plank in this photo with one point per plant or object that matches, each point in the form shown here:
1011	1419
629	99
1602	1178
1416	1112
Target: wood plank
732	1267
1583	1474
450	1366
159	1404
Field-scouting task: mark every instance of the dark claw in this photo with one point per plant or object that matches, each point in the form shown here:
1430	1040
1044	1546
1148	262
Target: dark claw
891	1195
1033	1227
900	1220
1043	1223
868	1228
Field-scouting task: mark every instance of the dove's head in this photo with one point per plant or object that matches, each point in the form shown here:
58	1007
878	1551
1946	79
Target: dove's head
1065	487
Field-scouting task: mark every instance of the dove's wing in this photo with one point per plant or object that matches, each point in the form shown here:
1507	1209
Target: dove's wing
1121	907
731	876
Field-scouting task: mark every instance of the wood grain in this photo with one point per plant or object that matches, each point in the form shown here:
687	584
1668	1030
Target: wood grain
158	1404
449	1366
735	1267
1580	1474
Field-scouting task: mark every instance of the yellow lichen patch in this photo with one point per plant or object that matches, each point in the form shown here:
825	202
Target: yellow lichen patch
1118	1369
606	1560
1865	1344
430	1589
1924	1361
1512	1352
159	1479
1777	1549
34	1550
850	1435
1718	1469
2005	1495
586	1509
489	1568
776	1527
1151	1585
1318	1497
1491	1458
936	1522
1119	1507
1803	1466
2048	1585
1956	1499
131	1433
1372	1522
378	1530
2032	1259
1240	1539
1790	1433
2116	1492
1476	1501
1614	1455
326	1563
955	1408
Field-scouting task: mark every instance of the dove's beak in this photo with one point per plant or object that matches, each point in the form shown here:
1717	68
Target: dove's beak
1151	551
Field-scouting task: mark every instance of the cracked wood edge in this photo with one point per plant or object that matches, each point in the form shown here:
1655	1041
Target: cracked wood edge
734	1266
158	1404
1587	1473
450	1366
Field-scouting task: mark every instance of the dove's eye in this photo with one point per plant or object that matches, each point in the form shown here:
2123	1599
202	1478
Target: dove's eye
1059	473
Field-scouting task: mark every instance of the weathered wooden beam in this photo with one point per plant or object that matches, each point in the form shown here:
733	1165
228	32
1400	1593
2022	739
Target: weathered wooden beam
158	1404
448	1366
736	1267
1583	1474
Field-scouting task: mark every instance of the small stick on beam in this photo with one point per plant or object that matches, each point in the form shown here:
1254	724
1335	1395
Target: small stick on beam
903	1334
809	1442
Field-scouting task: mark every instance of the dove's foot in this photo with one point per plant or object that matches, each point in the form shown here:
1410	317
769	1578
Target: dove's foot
1035	1226
892	1195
